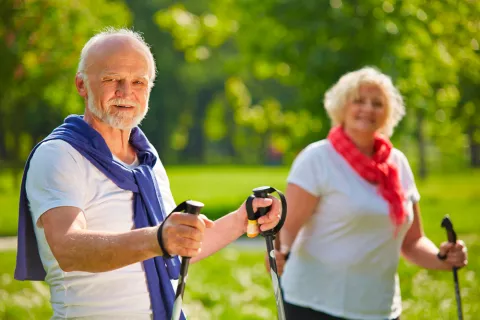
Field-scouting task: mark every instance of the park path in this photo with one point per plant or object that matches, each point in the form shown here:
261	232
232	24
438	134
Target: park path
10	243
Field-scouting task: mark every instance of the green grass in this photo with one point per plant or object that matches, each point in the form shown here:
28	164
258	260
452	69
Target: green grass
8	204
21	300
221	189
234	285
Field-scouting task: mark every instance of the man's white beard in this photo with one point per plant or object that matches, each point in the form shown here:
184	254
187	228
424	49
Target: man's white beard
116	119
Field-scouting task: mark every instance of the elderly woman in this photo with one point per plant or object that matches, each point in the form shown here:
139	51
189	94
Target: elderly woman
353	209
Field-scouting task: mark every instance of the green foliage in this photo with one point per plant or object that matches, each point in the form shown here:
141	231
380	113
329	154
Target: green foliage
287	54
41	42
238	79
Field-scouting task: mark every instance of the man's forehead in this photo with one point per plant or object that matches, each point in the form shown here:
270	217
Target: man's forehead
116	72
119	53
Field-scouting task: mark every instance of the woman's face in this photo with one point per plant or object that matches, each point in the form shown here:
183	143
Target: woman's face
367	111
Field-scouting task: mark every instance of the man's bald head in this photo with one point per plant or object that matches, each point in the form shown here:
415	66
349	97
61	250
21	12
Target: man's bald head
108	42
115	75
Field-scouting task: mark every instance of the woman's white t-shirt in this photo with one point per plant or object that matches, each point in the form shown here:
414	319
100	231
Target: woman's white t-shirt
60	176
344	260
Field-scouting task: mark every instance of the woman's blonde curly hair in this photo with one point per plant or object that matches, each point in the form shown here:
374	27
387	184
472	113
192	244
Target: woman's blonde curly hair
347	88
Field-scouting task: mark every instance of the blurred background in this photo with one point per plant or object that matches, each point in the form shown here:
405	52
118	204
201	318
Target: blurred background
239	93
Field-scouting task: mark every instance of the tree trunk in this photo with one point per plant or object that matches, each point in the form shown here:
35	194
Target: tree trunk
3	149
422	154
195	149
474	146
230	150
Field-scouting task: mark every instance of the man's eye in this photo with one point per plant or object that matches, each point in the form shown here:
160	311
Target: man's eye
140	82
108	80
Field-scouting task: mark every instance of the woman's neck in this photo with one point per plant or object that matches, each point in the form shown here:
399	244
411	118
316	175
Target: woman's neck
364	141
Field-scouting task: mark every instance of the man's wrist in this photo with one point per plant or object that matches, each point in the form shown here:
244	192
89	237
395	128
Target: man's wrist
239	222
161	244
157	248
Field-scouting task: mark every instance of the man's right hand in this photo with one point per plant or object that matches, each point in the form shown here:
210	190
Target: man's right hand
183	233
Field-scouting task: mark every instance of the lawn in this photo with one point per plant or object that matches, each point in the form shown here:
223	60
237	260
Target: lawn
233	284
221	189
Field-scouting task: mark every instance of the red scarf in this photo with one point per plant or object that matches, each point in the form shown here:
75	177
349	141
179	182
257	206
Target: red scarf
375	170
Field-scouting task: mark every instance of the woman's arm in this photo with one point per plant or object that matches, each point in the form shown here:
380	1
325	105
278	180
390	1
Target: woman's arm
231	226
300	206
420	250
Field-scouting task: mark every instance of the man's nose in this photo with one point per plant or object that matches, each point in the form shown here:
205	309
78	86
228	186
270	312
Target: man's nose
123	89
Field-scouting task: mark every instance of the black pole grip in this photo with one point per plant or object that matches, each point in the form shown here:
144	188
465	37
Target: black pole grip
193	207
447	224
262	192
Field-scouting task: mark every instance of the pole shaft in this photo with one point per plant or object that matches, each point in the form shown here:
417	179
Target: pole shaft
457	294
275	279
191	207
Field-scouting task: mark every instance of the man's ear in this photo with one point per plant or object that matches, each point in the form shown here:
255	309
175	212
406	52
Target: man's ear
80	84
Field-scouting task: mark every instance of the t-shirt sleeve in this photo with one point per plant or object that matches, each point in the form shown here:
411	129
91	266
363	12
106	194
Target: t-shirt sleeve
407	179
54	179
308	171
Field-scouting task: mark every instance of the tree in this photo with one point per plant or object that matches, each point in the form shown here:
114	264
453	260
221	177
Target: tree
39	50
290	52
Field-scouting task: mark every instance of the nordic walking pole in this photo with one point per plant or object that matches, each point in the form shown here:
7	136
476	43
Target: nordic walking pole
192	207
452	238
269	235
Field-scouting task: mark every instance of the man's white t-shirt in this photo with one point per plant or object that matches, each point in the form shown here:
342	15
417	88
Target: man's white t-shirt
344	259
60	176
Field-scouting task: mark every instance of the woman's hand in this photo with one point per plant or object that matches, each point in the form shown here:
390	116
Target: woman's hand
280	261
454	254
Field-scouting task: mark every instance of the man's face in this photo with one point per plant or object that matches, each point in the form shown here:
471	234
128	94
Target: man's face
117	84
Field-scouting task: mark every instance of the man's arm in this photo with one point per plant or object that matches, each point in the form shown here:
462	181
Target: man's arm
231	226
79	249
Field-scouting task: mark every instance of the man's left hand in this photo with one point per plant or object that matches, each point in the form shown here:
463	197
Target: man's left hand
268	221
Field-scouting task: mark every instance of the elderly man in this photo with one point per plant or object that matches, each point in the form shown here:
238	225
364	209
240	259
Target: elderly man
94	195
